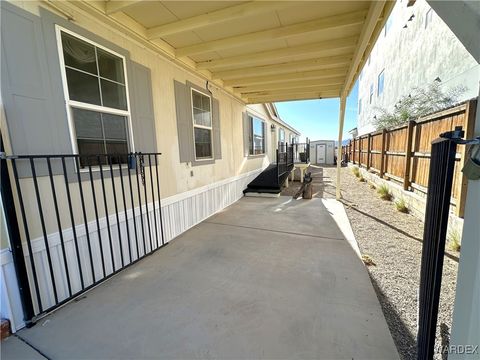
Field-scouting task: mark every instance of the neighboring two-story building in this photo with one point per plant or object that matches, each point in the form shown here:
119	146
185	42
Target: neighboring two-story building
415	49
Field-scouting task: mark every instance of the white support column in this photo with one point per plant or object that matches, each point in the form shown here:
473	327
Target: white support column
466	312
341	119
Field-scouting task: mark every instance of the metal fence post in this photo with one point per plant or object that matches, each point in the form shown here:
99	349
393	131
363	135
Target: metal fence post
435	231
15	240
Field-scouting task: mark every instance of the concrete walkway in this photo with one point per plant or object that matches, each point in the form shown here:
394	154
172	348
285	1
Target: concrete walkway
265	278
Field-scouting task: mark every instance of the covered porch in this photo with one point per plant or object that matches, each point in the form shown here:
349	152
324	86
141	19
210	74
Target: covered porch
265	278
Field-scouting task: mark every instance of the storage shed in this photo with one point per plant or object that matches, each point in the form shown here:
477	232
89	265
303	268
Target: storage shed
322	152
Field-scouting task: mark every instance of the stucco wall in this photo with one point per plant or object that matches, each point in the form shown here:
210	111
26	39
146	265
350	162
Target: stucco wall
414	57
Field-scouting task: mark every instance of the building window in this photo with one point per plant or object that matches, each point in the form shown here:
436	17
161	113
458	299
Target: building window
202	125
371	93
388	25
96	94
428	17
359	106
281	135
257	136
381	81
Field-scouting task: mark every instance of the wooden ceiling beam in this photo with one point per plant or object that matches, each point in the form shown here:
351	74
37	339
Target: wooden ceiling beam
377	14
268	79
327	23
270	93
114	6
291	97
215	17
299	84
313	49
310	64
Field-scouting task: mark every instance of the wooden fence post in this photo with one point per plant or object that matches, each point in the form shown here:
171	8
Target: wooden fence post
353	152
382	153
369	150
408	155
360	151
469	125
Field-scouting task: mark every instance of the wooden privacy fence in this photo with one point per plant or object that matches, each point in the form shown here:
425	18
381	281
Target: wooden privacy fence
403	154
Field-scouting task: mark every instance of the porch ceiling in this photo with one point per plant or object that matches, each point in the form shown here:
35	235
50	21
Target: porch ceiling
262	51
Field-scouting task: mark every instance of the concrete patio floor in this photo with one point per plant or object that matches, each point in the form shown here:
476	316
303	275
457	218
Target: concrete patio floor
265	278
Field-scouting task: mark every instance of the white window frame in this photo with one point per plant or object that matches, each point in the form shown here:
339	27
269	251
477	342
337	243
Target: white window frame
359	106
372	91
202	126
264	130
388	25
70	104
381	74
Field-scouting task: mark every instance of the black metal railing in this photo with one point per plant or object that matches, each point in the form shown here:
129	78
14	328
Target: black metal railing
285	159
302	152
82	219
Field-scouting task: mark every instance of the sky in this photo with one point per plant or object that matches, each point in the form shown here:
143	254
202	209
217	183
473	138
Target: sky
318	119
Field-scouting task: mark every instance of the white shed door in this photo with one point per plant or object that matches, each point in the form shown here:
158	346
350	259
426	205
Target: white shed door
321	153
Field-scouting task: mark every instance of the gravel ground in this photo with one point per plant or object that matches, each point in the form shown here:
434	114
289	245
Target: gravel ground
393	241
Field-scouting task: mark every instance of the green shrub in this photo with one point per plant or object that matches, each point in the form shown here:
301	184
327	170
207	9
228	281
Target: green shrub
362	179
454	238
356	171
401	205
384	192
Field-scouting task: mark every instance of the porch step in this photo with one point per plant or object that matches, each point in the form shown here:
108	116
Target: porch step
266	182
4	329
267	179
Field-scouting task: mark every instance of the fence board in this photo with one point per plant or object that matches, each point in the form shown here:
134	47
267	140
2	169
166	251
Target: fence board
425	131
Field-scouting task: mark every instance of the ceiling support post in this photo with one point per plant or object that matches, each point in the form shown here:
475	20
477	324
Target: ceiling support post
341	120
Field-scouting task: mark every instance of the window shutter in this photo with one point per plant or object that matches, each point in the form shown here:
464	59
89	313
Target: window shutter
32	96
217	140
143	118
246	134
184	122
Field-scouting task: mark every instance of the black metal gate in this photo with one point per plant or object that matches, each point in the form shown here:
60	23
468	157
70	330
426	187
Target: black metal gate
440	181
75	221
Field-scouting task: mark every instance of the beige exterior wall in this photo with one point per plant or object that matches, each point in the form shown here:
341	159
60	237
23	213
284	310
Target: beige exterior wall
175	177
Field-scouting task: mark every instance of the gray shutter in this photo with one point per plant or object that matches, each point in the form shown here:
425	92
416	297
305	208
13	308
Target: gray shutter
143	118
184	122
32	97
246	134
217	139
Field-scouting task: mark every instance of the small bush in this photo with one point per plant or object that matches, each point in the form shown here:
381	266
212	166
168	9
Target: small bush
367	260
454	238
362	179
356	171
401	205
384	192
